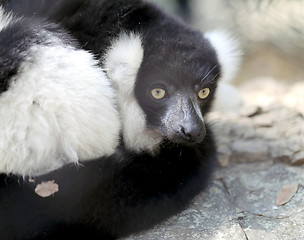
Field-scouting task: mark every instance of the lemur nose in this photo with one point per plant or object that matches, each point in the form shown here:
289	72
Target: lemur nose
193	133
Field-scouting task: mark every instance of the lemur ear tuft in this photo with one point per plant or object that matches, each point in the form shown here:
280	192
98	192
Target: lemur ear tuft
123	59
228	52
229	56
5	18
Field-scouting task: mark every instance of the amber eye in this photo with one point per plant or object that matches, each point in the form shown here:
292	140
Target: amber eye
158	93
202	94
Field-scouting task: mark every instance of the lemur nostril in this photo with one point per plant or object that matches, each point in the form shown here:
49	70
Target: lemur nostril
192	133
189	133
184	132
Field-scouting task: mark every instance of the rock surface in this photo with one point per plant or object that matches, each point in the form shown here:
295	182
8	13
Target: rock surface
261	149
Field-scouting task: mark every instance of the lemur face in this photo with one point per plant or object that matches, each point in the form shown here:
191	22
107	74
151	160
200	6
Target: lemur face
175	89
165	86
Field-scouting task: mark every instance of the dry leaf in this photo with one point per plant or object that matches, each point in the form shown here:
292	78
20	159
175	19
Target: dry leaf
286	193
46	189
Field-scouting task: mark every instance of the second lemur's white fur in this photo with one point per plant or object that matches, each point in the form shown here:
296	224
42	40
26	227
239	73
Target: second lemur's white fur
122	62
59	108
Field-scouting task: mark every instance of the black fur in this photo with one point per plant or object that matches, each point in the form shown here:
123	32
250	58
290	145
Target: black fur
96	22
107	198
127	192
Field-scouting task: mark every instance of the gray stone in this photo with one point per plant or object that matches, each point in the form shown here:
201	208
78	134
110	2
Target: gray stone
270	133
260	228
280	153
263	121
211	216
249	151
224	154
239	204
255	191
251	111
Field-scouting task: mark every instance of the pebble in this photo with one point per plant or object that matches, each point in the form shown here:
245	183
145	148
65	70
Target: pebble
298	158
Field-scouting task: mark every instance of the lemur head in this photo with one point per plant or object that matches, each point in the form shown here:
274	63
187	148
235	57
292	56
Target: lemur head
166	85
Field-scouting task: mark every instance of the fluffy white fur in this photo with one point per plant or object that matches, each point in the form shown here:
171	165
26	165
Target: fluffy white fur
229	55
59	109
122	62
5	18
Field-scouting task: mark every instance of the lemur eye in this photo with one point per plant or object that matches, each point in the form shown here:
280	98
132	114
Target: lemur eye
202	94
158	93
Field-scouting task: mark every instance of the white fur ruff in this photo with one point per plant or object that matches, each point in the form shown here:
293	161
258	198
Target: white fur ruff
229	56
58	109
122	62
5	18
228	53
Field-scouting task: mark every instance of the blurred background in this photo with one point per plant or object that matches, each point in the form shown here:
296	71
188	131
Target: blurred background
271	32
271	35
